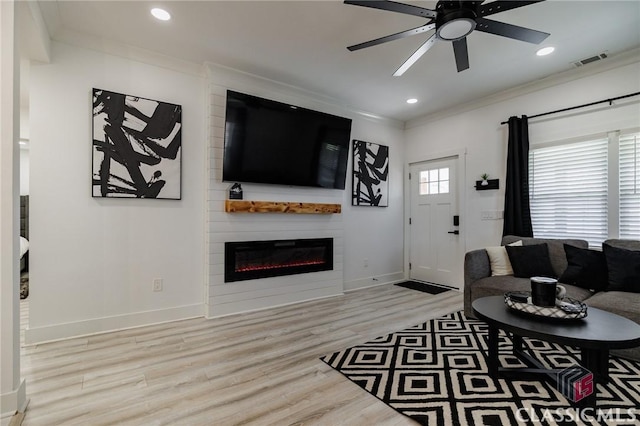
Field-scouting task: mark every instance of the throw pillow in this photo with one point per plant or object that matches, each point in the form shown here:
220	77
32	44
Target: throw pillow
624	269
585	268
499	259
530	261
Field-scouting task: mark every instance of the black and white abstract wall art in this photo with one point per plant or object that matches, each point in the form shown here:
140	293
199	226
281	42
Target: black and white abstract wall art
370	174
137	147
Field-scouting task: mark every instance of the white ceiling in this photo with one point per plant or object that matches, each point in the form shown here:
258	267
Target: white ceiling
303	43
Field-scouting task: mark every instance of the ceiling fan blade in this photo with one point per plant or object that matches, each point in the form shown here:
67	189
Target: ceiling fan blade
391	37
416	55
392	6
461	54
512	31
501	6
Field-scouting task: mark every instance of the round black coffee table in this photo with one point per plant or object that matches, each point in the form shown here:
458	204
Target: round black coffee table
595	335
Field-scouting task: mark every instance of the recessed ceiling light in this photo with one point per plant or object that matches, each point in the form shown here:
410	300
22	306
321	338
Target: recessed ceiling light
160	14
545	51
412	101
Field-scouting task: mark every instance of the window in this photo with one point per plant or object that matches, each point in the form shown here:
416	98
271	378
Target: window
629	158
434	181
573	195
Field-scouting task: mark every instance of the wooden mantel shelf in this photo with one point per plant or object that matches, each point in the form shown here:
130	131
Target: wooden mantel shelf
245	206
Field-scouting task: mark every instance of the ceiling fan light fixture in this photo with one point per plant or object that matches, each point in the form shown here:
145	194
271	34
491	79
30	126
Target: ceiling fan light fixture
456	29
453	20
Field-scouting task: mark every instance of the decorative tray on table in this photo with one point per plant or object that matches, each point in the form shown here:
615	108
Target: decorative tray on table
567	308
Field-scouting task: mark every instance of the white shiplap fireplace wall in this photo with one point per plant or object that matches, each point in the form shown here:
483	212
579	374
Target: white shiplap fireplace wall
228	298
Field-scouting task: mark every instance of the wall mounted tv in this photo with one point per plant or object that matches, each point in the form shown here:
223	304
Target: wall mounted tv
271	142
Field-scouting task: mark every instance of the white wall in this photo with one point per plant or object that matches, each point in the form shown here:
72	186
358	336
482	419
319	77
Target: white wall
358	233
24	171
375	233
93	260
25	66
480	132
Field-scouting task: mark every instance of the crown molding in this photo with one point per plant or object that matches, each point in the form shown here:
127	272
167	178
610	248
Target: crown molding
219	74
126	51
228	77
620	60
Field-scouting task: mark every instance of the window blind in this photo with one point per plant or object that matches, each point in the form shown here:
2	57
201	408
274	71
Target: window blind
568	191
630	186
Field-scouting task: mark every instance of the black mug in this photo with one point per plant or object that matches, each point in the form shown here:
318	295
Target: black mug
545	291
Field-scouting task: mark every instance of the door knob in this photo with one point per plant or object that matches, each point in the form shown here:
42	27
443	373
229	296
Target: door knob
456	232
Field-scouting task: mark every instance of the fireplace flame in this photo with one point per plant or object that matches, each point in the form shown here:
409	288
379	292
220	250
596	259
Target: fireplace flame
278	265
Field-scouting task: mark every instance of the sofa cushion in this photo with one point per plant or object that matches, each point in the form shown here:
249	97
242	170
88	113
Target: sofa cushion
499	259
586	268
624	269
530	261
625	244
497	286
556	249
619	302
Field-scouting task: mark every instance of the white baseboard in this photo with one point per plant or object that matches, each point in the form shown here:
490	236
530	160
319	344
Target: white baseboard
106	324
13	402
392	278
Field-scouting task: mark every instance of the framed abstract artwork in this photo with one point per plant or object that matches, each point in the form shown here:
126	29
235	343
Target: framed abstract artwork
137	147
370	174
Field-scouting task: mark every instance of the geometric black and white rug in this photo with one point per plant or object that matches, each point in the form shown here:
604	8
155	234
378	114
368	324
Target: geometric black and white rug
435	373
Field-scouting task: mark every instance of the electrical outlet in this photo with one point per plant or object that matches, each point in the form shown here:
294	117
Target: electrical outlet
366	262
157	284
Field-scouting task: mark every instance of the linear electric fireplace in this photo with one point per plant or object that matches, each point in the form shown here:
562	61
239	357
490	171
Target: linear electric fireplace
248	260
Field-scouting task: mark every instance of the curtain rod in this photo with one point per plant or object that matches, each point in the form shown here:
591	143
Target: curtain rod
610	101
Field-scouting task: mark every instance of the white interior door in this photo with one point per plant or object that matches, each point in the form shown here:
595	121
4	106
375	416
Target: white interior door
435	248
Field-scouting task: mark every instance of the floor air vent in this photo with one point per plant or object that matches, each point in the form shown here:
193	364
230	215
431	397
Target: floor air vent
589	60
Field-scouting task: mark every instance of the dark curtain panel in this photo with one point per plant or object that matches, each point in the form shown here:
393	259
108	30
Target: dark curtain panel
517	213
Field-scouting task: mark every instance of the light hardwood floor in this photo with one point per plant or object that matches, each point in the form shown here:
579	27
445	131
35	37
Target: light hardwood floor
258	368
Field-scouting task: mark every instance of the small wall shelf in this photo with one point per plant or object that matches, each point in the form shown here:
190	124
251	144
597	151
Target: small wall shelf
492	184
245	206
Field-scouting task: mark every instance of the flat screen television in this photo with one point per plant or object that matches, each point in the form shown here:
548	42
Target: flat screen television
271	142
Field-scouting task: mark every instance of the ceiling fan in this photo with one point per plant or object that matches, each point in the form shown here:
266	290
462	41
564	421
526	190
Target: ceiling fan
453	21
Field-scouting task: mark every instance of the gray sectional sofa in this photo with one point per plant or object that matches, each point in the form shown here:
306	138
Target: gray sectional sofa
478	281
